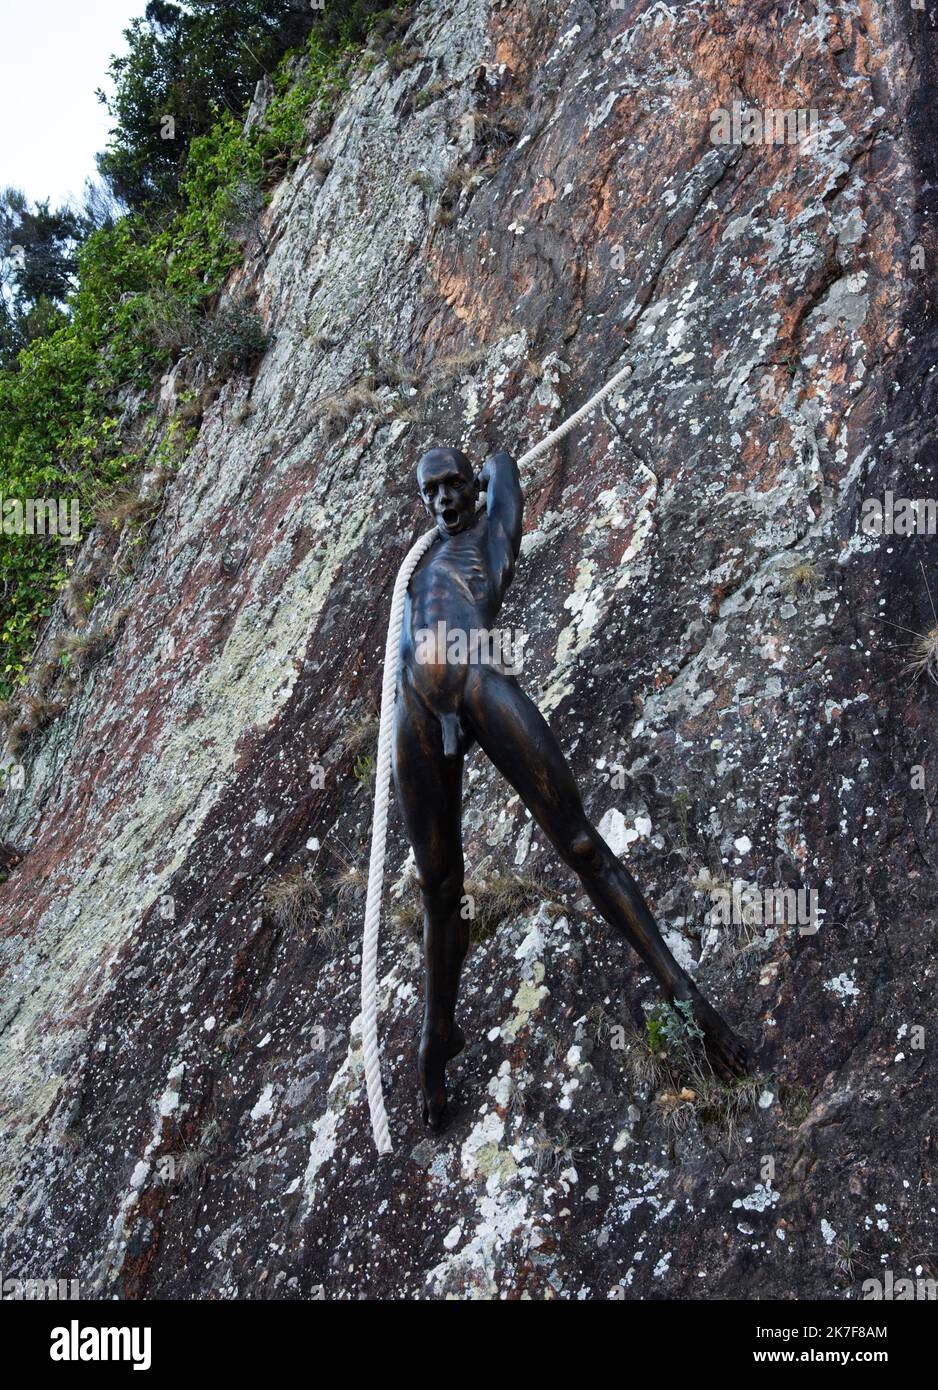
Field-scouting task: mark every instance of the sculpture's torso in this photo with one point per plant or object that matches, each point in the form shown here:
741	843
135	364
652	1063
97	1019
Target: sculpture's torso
459	583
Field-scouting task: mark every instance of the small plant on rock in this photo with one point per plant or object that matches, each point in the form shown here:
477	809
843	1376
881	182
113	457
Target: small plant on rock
802	578
231	340
294	901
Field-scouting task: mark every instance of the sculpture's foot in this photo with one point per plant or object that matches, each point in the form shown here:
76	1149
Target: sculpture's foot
435	1052
727	1052
434	1111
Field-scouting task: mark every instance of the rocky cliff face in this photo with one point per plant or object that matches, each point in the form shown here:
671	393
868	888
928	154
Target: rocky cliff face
526	197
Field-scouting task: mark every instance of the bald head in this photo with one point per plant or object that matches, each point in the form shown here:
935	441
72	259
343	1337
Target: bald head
442	461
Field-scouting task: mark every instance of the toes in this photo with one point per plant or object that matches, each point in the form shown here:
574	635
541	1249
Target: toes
727	1056
734	1058
723	1068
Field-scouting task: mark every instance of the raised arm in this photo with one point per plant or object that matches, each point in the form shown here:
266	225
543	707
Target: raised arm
504	504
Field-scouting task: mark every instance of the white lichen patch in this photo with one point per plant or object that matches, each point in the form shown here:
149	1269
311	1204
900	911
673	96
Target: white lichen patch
844	987
761	1199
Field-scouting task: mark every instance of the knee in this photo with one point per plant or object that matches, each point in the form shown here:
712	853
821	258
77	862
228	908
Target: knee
582	851
441	892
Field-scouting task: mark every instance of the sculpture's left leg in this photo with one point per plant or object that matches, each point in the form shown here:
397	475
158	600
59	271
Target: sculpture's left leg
514	734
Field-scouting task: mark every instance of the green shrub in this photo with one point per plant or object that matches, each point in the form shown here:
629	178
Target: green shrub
231	340
141	299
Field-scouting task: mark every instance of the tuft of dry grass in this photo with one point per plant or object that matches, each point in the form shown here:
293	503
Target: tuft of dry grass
677	1108
847	1255
418	179
517	1102
78	597
724	1103
192	1161
500	896
400	57
704	881
122	506
338	411
802	578
795	1103
352	879
115	622
599	1022
385	371
430	93
551	1152
40	711
45	676
294	901
457	178
350	884
645	1065
233	1036
495	132
190	1166
922	651
85	648
330	931
407	916
361	735
923	656
493	899
18	737
442	371
670	1058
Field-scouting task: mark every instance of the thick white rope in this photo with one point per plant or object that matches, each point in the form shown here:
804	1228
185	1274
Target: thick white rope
379	827
379	831
556	435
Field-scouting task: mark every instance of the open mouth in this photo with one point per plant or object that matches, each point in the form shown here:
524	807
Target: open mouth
450	518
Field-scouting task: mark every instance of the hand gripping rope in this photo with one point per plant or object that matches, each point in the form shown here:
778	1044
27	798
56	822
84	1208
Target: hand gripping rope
379	827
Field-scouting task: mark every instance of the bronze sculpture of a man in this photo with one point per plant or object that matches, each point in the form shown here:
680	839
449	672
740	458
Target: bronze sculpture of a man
443	707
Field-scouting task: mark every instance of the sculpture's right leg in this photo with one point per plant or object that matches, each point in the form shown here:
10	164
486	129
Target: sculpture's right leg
514	734
429	790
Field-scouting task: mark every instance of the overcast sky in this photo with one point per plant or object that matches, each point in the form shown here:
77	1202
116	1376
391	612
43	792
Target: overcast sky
53	56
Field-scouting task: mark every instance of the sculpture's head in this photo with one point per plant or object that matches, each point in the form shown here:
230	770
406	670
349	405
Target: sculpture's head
449	489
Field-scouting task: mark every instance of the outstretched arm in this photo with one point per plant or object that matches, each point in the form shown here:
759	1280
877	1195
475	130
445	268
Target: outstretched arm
504	503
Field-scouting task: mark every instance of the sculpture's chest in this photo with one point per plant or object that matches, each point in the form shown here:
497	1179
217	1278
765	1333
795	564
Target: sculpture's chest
454	573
